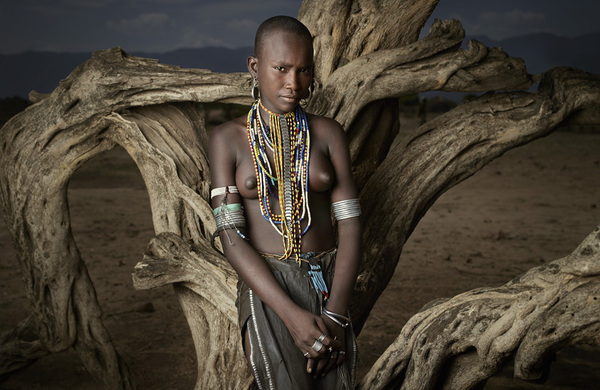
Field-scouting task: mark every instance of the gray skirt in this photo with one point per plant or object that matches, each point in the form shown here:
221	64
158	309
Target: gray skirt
276	361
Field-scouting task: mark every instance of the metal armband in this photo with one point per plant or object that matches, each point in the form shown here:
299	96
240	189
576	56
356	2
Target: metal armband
228	216
344	209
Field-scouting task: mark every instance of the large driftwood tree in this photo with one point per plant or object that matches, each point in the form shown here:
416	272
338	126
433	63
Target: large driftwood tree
368	54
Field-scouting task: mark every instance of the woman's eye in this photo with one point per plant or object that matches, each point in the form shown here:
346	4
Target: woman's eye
280	68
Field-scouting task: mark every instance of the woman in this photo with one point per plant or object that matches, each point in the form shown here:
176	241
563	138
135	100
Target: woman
275	174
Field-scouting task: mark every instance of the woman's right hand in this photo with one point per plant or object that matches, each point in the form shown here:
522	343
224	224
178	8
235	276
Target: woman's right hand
336	356
307	328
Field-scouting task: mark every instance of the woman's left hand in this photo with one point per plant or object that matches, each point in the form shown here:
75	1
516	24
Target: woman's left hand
320	367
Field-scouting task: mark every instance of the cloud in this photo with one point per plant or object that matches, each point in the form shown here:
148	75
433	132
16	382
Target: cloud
513	17
500	25
190	37
144	23
164	2
137	25
46	10
65	6
88	3
242	25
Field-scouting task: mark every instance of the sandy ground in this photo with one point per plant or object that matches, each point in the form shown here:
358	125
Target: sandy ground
531	206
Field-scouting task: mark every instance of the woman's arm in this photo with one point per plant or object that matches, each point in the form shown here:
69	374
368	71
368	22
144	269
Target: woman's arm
349	237
349	230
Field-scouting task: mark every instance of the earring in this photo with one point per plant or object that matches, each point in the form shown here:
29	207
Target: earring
255	90
304	101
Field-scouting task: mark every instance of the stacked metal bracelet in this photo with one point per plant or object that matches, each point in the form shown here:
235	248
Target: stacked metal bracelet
230	216
346	209
339	319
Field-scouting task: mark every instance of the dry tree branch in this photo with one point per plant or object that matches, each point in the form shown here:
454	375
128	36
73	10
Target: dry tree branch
460	342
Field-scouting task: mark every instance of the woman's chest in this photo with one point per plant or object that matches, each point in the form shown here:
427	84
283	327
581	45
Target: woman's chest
320	172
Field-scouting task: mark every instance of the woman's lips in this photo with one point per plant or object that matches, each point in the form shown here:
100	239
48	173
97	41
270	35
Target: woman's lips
290	99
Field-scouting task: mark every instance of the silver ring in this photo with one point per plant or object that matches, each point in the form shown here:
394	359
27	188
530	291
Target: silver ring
322	337
333	355
317	346
306	354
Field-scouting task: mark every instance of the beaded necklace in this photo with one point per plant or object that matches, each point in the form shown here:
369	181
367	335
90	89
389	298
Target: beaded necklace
287	136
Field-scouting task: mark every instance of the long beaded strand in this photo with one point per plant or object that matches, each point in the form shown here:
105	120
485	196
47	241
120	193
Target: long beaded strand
288	137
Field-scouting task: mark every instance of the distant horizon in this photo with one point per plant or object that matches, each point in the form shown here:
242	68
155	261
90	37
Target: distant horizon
126	50
66	26
467	35
42	70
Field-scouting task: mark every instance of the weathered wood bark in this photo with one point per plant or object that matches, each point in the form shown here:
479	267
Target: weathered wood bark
20	348
203	280
428	64
44	146
344	31
366	59
449	149
460	342
361	29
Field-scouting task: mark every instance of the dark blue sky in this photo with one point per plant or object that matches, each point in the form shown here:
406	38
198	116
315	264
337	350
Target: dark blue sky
164	25
502	19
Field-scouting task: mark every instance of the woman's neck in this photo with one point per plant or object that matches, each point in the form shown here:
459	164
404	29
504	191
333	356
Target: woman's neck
267	113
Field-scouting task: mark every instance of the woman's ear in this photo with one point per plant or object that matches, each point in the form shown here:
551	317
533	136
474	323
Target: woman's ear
252	64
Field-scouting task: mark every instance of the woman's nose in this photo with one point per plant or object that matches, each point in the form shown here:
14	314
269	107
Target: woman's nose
292	81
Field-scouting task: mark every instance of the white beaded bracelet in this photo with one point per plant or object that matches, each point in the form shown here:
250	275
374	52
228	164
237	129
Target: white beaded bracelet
223	191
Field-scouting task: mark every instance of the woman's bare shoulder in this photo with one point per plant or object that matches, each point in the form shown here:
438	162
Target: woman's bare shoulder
228	132
323	123
326	130
229	128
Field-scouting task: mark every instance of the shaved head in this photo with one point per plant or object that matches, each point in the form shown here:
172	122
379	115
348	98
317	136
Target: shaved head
275	24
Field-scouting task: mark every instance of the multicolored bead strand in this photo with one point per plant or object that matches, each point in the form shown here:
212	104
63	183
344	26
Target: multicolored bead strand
287	136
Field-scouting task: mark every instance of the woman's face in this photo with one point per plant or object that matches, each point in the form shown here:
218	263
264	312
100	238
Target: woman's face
284	70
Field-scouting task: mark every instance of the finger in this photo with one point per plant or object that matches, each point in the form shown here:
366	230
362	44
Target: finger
319	370
310	365
317	348
341	357
332	343
321	325
331	363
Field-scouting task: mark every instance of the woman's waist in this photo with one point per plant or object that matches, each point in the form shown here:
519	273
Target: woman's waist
303	263
268	240
300	257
